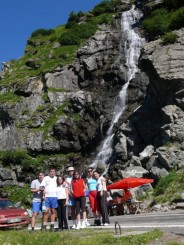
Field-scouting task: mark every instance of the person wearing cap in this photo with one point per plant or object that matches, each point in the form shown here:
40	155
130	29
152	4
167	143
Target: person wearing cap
71	201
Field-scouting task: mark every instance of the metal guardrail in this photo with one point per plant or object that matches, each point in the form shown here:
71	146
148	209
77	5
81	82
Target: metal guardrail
117	228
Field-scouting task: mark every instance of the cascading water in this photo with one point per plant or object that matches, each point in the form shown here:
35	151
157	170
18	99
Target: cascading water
132	46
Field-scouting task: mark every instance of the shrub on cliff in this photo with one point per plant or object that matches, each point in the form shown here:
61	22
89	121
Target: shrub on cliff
177	19
158	23
169	38
106	7
77	33
73	19
101	8
69	39
42	32
173	4
13	157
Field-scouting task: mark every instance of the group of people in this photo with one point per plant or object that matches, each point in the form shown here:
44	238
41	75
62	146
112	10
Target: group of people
58	193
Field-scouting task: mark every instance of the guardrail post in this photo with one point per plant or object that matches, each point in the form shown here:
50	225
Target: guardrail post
117	225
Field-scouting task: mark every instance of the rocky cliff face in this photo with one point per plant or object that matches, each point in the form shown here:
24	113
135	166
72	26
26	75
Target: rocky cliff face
66	113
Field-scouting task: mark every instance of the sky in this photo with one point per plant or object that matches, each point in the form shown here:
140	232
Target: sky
19	18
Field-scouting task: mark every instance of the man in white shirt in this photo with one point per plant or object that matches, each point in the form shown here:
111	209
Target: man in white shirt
49	186
37	198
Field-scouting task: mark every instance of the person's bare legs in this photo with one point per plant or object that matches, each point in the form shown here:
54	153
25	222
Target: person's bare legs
45	218
53	215
84	216
45	215
33	219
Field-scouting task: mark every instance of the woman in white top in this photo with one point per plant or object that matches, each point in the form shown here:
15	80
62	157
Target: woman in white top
102	197
62	197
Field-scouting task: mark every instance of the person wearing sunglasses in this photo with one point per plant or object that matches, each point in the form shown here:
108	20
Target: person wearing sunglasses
92	184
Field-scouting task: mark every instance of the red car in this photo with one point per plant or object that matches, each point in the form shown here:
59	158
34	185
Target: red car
11	216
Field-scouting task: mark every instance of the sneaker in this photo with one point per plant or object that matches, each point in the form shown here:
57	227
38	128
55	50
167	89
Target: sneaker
78	227
44	228
87	224
106	224
58	229
83	225
95	223
52	227
73	227
32	230
98	222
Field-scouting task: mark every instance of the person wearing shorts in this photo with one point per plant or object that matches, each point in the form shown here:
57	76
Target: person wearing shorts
71	200
49	186
78	190
37	198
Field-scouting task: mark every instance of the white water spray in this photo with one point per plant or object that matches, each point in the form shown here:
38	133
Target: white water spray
132	47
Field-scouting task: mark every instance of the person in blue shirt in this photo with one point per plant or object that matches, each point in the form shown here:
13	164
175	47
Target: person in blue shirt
92	188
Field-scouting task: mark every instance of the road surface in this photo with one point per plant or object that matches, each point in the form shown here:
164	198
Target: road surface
171	221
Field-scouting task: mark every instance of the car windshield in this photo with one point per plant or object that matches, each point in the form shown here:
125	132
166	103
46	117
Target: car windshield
4	204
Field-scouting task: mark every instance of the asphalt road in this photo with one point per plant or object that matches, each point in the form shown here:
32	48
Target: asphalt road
171	221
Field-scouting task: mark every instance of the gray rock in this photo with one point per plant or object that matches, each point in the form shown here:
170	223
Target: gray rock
5	174
146	153
158	172
134	171
63	79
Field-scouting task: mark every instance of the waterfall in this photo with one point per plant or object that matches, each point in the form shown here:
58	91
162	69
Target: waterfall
132	46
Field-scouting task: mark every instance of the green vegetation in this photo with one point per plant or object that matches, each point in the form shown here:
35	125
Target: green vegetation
84	237
177	19
28	162
9	97
169	187
169	37
74	18
17	194
158	23
173	4
106	7
164	20
13	157
52	120
42	32
49	49
56	89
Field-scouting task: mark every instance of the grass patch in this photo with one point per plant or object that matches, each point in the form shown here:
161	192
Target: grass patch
9	97
52	120
51	89
169	38
169	187
85	237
